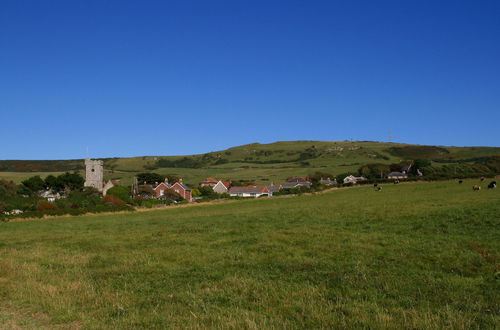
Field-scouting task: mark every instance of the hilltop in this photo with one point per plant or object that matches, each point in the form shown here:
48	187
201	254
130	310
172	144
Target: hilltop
271	162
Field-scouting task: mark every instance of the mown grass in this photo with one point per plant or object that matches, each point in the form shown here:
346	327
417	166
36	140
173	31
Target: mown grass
421	255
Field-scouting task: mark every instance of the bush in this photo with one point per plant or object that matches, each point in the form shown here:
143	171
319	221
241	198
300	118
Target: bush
45	205
120	192
113	200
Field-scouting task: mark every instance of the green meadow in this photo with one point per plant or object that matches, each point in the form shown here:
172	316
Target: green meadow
419	255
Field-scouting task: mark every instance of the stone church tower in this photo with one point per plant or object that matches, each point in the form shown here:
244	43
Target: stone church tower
94	174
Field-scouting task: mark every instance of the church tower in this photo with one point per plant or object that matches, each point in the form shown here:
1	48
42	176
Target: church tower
94	174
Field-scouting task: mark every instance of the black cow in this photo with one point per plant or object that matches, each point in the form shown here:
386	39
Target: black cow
460	181
493	184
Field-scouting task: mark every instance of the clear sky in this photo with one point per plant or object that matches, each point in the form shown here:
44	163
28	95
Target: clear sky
130	78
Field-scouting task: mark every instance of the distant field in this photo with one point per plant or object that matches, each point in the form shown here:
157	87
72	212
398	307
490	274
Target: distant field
17	177
420	255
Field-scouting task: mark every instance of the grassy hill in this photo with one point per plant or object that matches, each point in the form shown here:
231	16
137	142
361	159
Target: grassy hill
420	255
272	162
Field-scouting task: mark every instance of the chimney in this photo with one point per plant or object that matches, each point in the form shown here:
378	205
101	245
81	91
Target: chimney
166	180
180	180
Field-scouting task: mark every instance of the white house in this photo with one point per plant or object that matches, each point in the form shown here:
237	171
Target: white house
250	191
353	179
222	187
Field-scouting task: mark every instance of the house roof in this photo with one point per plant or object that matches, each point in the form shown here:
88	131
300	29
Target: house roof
166	185
328	181
396	174
182	185
292	184
210	180
406	168
258	189
274	187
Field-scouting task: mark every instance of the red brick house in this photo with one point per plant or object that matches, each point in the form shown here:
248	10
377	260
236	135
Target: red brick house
182	190
160	189
179	187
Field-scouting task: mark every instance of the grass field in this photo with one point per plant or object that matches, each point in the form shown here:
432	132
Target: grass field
421	255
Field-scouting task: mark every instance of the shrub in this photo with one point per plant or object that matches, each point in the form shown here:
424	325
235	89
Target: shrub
120	192
112	200
45	205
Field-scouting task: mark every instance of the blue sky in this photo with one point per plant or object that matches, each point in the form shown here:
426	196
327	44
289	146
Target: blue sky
129	78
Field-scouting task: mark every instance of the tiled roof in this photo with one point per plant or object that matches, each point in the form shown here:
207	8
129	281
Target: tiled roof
209	180
183	186
293	184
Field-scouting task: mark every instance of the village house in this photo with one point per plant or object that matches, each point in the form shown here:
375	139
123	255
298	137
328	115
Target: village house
209	182
273	188
406	169
328	182
50	195
397	175
222	187
296	183
353	179
183	190
160	189
250	191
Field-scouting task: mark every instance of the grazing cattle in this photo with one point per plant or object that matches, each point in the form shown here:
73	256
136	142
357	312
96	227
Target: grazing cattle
375	184
493	184
482	178
379	188
396	181
460	181
476	187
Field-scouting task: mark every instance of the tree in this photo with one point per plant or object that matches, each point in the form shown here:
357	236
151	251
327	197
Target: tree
53	183
374	171
421	163
34	184
72	181
149	178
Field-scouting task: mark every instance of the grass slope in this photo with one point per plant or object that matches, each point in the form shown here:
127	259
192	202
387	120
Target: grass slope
264	163
422	255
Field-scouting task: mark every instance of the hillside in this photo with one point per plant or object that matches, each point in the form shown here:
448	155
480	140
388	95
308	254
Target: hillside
262	162
415	256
